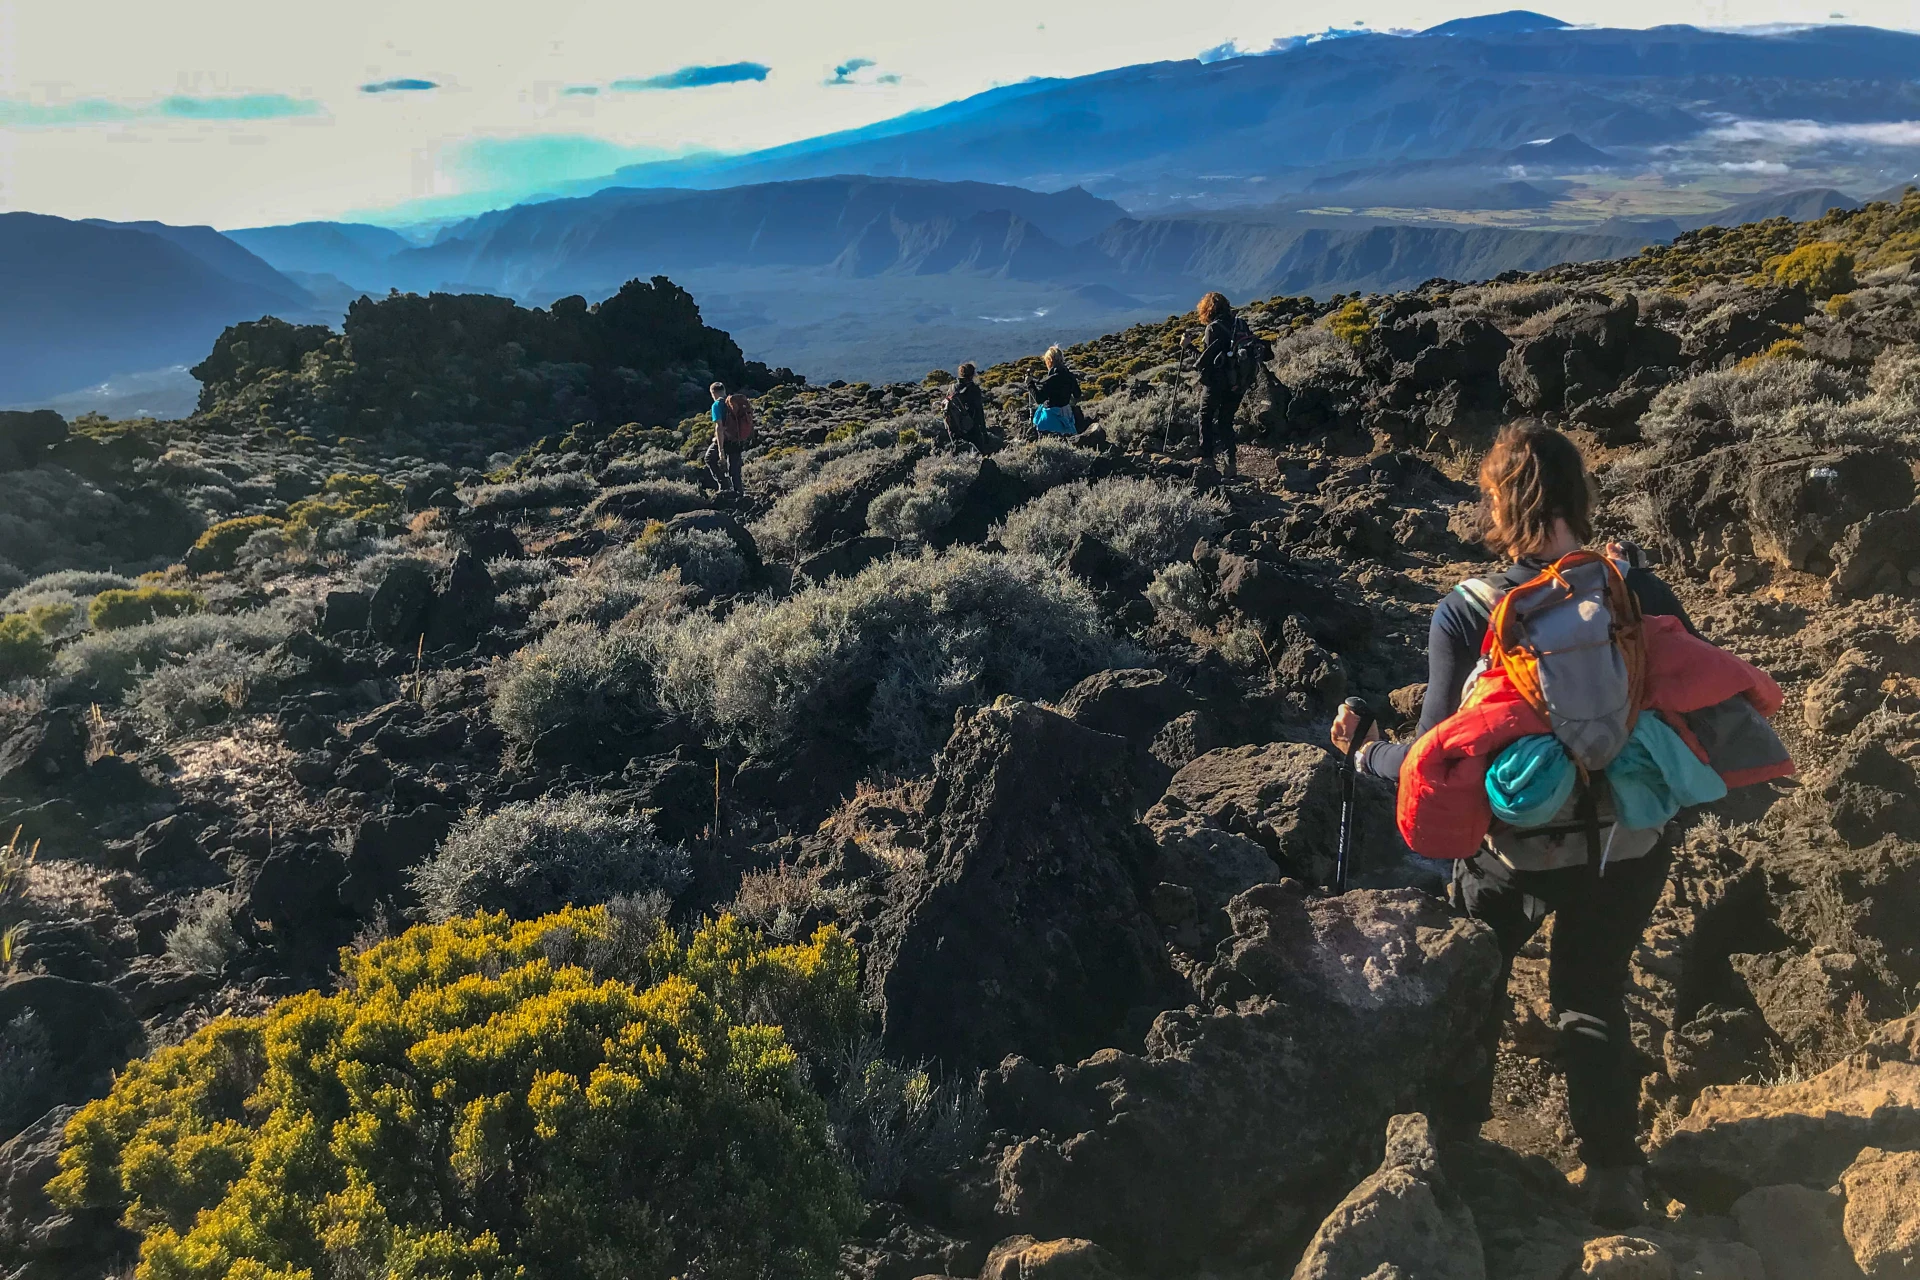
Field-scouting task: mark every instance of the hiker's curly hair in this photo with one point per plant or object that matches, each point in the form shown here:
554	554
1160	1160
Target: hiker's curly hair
1213	305
1532	476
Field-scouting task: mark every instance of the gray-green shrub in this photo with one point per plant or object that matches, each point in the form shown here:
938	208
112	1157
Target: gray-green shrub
615	585
888	654
651	463
1147	522
202	688
64	587
204	939
1042	464
798	523
111	662
563	490
911	512
576	679
537	856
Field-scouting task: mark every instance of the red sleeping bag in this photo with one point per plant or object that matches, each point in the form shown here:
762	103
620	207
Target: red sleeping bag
1443	810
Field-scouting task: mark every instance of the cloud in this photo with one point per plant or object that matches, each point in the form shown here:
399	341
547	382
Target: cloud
399	86
698	77
1812	133
16	113
473	175
850	72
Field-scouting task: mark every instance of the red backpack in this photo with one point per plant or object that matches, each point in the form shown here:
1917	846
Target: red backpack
736	419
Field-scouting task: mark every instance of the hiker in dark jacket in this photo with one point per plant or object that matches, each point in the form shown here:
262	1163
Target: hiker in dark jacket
1055	412
966	414
1218	400
1060	388
1536	497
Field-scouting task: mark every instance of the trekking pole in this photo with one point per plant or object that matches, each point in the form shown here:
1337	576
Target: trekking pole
1344	854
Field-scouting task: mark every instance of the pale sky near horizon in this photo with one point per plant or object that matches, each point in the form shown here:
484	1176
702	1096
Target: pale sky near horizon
244	112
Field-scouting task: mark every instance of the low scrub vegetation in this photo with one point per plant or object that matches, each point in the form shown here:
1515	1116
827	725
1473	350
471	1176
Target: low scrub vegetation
915	511
108	663
573	1103
1147	522
579	681
1794	397
216	549
131	607
887	655
537	856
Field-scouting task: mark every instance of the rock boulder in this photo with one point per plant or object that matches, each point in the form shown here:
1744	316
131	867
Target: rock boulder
1026	932
1322	1018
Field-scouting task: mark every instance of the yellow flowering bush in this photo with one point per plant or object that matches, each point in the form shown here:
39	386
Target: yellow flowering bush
572	1096
220	544
133	606
366	498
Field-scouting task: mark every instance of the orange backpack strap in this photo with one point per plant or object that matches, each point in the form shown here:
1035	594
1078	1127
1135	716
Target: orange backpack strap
1510	649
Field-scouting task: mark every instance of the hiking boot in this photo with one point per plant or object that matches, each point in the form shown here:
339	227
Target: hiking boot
1617	1196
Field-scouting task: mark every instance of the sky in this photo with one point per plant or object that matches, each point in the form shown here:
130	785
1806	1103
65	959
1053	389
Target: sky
250	112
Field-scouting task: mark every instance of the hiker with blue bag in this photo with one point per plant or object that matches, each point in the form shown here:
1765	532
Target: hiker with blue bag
1571	712
1056	397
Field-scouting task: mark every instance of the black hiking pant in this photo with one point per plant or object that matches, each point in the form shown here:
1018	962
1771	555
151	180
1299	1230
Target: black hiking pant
1596	926
1217	407
723	463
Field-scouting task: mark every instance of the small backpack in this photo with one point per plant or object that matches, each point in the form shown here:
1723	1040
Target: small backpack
1247	353
736	419
1572	643
958	417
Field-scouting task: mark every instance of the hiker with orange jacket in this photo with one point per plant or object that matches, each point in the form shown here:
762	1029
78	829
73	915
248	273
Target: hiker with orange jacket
1493	782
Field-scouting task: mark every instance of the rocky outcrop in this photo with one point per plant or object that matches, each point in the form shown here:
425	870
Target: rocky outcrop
1405	1216
81	1032
1584	356
1025	932
1882	1219
1024	1258
1242	816
1740	1137
1234	1130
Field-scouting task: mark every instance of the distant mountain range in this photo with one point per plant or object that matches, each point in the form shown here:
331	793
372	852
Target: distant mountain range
1057	209
86	300
1162	132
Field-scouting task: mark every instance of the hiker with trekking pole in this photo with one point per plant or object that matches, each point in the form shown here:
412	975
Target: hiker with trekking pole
1231	356
1571	711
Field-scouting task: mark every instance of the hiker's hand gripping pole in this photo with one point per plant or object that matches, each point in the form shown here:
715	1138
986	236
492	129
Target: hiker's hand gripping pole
1363	726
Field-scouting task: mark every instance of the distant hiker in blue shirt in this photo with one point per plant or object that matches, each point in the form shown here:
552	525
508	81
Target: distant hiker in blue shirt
732	432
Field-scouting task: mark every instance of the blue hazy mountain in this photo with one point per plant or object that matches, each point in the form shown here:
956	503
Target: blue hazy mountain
88	300
353	252
222	255
1489	85
847	226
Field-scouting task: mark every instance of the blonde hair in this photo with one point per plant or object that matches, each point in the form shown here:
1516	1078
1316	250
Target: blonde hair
1212	306
1055	356
718	390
